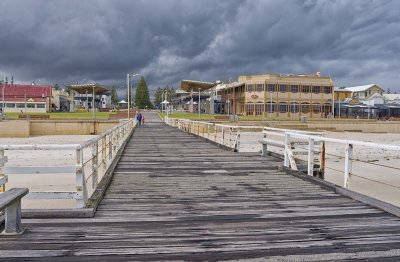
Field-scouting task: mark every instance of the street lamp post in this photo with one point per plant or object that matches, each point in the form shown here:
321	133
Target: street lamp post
129	91
162	102
229	105
165	99
270	106
198	106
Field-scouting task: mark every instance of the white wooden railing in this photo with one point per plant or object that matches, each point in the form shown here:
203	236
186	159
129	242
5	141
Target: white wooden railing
227	135
348	146
91	166
299	148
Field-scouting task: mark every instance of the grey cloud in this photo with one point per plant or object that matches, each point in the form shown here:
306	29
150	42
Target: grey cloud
355	42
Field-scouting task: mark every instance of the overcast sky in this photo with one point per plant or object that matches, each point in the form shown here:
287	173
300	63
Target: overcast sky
354	42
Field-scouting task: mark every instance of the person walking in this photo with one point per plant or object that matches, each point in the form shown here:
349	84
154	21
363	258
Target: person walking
139	119
142	119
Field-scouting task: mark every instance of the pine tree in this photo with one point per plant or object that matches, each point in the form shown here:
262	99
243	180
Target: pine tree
114	96
158	96
142	99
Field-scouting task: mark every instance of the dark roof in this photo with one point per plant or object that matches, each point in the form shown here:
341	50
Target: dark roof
88	88
26	90
188	85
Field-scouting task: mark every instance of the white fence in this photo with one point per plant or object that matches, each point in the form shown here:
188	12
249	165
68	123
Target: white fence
88	168
373	167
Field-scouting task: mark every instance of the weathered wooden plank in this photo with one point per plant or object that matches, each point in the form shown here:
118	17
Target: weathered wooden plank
177	197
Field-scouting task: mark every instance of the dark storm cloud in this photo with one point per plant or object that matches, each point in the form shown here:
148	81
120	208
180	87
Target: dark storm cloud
355	42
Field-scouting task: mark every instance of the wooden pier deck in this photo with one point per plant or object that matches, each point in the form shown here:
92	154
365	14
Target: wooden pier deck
175	196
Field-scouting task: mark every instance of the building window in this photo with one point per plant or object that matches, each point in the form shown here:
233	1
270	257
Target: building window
317	89
316	109
270	107
294	108
20	105
40	105
250	88
294	88
271	88
282	108
259	87
282	88
30	105
249	109
305	89
305	108
259	109
327	89
10	105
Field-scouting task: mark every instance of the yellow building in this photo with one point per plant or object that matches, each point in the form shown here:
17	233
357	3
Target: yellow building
342	93
280	95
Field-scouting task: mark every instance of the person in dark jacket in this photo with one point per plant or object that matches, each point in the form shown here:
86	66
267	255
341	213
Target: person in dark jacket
139	119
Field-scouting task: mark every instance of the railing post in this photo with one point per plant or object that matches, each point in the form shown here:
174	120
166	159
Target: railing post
238	140
114	141
3	160
215	133
310	162
81	189
348	165
264	146
223	135
230	137
322	169
287	146
95	153
110	145
104	151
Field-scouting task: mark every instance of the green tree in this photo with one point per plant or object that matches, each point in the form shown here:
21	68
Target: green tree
114	96
142	99
56	87
158	96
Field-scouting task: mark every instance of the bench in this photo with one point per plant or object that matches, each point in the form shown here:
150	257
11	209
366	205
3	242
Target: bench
10	201
39	117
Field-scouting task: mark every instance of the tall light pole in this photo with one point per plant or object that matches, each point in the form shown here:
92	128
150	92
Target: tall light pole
229	105
2	83
165	100
129	91
198	106
162	102
270	106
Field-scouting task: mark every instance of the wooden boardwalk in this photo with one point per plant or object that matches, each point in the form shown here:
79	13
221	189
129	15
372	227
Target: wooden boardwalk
175	196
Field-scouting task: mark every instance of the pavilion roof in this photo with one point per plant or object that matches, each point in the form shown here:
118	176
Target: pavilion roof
189	85
88	88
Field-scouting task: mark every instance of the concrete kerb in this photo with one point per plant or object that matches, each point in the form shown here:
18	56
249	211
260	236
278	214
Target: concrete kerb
392	209
91	206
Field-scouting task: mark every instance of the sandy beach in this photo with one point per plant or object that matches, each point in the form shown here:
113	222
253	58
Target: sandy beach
44	182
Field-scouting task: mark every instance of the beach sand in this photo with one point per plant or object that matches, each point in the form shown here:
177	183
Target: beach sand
44	182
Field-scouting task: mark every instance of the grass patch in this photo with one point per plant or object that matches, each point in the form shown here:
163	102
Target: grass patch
193	116
66	115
